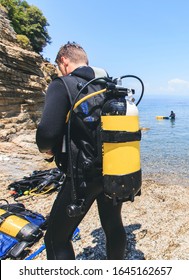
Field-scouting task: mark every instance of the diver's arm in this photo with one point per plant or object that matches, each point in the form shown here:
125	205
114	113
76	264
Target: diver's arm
51	127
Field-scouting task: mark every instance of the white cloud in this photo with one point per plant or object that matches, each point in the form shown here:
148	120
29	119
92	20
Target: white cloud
176	86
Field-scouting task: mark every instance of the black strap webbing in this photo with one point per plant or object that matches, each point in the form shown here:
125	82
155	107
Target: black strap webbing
110	136
4	216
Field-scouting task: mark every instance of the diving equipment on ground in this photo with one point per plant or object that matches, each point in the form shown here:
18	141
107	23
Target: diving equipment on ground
118	136
38	183
20	228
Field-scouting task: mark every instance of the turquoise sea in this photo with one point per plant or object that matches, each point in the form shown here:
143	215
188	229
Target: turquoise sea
165	146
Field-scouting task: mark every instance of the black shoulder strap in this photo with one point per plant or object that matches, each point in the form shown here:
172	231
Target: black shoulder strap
72	85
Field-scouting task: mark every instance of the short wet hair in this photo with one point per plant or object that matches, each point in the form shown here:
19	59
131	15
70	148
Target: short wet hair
74	52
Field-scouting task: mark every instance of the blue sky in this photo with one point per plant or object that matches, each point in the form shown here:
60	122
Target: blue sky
146	38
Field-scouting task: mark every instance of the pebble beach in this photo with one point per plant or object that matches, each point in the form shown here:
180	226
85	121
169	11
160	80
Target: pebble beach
156	223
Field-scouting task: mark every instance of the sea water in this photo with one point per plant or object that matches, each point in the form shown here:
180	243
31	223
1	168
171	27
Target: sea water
165	142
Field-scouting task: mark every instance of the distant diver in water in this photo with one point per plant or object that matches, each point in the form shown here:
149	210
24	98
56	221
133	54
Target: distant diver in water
172	115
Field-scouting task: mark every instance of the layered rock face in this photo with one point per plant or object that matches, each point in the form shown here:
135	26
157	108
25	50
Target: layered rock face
23	81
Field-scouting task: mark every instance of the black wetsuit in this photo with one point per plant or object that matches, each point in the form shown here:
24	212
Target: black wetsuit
61	227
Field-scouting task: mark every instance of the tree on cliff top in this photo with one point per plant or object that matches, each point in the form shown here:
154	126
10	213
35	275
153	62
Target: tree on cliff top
29	21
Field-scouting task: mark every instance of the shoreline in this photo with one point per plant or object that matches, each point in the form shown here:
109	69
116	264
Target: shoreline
156	223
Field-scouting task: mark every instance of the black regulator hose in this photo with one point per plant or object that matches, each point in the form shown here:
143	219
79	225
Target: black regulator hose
135	77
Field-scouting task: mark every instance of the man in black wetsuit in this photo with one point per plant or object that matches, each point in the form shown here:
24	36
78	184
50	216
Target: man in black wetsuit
172	115
73	64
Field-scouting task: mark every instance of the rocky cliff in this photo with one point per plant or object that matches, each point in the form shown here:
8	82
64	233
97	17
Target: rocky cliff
24	77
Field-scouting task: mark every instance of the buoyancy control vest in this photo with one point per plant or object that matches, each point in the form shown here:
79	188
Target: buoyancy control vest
85	128
104	126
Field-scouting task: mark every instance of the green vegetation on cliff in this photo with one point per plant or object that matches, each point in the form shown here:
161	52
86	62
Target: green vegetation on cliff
28	21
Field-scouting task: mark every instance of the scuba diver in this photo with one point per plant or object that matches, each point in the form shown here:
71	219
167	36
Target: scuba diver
172	115
71	136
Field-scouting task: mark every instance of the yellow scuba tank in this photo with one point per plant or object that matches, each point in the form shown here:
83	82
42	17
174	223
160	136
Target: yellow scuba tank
120	136
18	227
